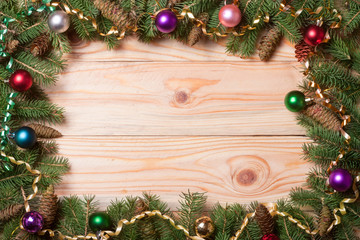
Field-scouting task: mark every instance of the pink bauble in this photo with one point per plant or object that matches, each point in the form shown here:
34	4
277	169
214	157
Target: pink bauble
230	15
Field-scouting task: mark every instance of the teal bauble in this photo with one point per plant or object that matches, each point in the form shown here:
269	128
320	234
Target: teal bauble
25	137
295	101
100	221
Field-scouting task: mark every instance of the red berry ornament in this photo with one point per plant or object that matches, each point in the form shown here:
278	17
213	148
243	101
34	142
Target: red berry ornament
21	80
314	35
270	236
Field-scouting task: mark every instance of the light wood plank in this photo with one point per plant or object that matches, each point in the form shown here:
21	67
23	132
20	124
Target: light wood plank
167	50
173	98
230	169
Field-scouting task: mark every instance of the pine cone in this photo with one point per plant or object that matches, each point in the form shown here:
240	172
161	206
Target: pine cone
325	220
264	219
11	46
11	211
141	206
324	116
40	45
302	51
196	32
44	131
115	13
268	43
48	206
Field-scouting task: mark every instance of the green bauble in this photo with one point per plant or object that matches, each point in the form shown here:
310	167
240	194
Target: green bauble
100	221
295	101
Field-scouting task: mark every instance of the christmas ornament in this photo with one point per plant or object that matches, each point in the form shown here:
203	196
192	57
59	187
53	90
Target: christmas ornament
59	21
204	227
314	35
25	137
268	43
166	21
99	221
21	80
42	131
230	15
40	45
295	101
11	211
340	180
264	219
325	220
32	222
270	236
303	51
48	206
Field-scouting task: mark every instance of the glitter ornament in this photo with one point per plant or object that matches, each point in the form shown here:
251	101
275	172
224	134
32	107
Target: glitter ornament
32	222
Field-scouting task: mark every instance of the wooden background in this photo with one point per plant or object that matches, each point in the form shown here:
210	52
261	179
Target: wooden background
166	118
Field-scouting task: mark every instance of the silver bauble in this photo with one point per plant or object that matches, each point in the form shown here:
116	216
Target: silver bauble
59	21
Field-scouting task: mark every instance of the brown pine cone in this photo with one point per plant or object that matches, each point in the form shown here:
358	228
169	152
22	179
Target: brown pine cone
196	32
49	206
40	45
11	46
268	43
324	221
44	131
303	51
324	116
115	13
141	206
264	219
11	211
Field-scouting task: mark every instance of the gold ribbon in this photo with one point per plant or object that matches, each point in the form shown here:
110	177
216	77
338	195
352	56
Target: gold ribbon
32	171
243	225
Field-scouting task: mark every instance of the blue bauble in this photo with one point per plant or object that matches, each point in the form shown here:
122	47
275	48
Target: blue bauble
25	137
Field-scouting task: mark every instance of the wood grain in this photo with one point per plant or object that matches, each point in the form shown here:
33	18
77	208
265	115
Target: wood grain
167	50
173	98
230	169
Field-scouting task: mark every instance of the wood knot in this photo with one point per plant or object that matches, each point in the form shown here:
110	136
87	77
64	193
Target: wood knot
246	177
181	97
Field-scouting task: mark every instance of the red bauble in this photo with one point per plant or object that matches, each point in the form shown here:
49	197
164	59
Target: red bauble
314	35
21	80
270	236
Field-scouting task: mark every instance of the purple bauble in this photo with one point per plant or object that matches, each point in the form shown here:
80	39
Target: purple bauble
32	222
340	180
166	21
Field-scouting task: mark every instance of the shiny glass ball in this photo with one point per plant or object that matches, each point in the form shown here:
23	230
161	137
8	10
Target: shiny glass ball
314	35
100	221
21	80
32	222
295	101
25	137
230	15
204	227
59	21
340	180
166	21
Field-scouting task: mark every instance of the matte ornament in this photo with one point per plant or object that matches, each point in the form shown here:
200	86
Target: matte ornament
59	21
166	21
340	180
270	236
25	137
314	35
21	80
99	221
295	101
230	15
32	222
204	227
